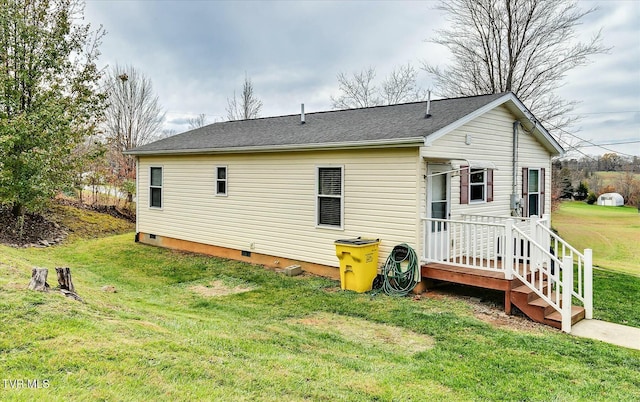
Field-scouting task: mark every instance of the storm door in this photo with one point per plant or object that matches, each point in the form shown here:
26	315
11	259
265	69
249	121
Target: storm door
438	209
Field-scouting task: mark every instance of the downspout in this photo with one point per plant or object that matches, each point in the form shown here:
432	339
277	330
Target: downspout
515	200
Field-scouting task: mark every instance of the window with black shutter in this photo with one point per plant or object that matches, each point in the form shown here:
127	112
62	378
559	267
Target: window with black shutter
533	194
329	196
476	185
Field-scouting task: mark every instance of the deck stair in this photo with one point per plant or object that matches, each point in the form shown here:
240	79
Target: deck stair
517	293
538	309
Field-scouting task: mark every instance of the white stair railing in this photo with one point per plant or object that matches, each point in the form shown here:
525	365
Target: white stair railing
544	278
582	263
522	247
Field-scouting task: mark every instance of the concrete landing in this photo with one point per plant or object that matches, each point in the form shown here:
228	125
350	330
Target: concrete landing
616	334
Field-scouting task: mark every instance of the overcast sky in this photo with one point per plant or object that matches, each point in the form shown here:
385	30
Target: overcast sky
197	53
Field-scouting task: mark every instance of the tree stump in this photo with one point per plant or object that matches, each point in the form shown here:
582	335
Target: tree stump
39	282
66	284
39	279
64	279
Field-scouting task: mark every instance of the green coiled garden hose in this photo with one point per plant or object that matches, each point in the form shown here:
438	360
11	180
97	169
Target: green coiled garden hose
401	271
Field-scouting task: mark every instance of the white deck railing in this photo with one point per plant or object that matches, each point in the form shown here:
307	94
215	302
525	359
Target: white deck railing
524	248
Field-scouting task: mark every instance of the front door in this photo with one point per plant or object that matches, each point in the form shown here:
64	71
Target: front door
438	207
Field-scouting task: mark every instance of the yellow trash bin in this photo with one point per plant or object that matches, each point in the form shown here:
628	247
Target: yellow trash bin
358	263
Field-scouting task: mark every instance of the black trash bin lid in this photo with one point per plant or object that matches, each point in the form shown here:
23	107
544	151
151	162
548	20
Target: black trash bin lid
357	242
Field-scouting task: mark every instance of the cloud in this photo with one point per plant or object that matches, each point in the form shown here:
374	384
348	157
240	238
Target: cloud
197	53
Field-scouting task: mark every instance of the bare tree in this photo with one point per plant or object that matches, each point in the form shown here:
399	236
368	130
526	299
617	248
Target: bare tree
133	118
197	122
629	187
247	107
523	46
360	89
401	86
357	91
134	115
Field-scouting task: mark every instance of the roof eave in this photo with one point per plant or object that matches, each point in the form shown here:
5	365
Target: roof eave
386	143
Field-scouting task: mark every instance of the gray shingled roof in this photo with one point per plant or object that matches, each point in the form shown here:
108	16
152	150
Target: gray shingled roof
375	125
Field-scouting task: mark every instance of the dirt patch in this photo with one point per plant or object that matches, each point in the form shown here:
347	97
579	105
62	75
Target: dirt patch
65	219
399	340
488	306
219	288
34	230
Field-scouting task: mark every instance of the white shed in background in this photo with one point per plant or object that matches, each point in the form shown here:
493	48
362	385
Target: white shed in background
611	200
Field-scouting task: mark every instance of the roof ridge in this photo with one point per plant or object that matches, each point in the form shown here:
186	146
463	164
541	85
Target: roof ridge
366	107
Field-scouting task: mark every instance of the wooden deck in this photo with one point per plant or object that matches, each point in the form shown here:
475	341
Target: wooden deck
478	247
514	293
471	277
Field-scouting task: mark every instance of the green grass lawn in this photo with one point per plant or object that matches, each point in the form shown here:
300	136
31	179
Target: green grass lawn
612	232
163	337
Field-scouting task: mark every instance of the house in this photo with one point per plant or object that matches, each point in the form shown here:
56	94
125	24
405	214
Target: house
444	176
611	200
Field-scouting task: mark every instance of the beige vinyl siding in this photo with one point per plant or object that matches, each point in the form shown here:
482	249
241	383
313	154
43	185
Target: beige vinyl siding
533	155
491	141
270	207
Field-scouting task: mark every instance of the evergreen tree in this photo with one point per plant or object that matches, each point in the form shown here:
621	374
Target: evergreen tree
582	192
567	188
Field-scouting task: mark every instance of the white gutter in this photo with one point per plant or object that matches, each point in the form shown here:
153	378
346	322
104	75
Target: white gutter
393	143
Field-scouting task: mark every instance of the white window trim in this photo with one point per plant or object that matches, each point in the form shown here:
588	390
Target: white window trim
484	185
226	181
318	195
161	187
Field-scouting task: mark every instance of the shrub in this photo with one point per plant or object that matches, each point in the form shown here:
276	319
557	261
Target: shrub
592	198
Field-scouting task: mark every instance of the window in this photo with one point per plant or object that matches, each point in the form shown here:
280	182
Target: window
155	187
329	196
476	185
221	180
533	191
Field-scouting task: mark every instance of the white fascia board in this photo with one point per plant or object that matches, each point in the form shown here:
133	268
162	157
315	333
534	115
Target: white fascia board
466	119
524	113
539	131
394	143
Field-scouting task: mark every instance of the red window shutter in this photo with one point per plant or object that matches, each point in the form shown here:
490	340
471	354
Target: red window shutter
525	192
542	196
489	185
464	184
